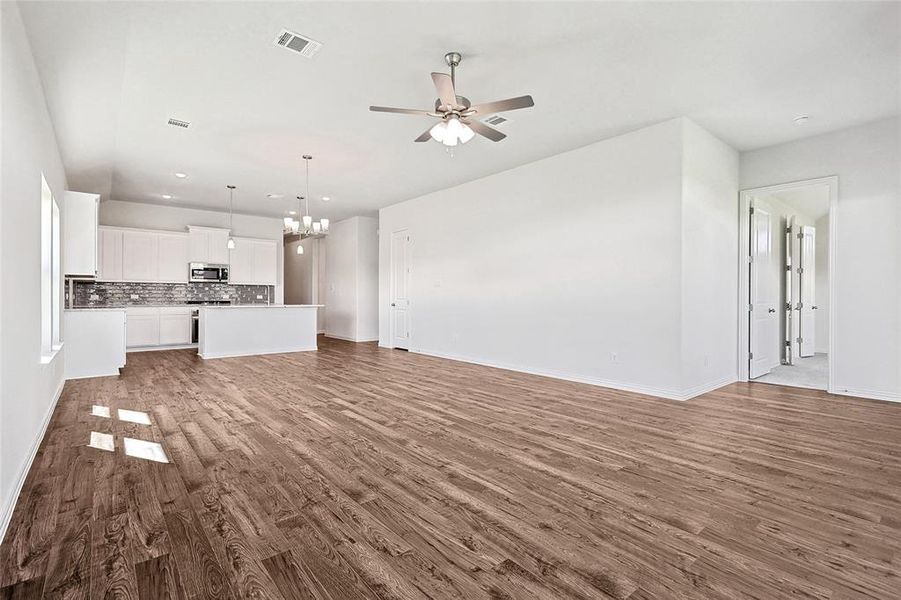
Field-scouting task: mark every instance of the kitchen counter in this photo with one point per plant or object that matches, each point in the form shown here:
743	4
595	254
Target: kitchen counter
100	308
249	329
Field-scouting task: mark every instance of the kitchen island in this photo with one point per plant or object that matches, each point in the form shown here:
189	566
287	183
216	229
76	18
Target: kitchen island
244	330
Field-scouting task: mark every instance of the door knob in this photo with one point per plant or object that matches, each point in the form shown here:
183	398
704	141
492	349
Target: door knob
772	310
392	304
813	307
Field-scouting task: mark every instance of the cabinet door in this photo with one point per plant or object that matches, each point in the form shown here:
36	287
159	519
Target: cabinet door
173	257
175	328
140	259
80	238
199	246
241	262
218	251
142	330
110	255
265	261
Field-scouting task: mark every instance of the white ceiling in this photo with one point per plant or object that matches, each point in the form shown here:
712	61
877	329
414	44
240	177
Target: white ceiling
114	72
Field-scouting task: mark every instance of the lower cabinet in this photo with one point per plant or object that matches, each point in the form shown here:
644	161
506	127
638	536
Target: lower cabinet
175	326
157	326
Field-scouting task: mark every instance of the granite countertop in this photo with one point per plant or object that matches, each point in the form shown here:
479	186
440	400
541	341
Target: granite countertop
99	308
214	307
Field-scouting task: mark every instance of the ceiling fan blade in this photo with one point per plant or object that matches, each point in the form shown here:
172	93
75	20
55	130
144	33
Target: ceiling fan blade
445	88
503	105
403	111
426	135
484	130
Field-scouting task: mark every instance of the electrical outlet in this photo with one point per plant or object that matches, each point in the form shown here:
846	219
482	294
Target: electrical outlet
259	296
614	357
95	296
135	297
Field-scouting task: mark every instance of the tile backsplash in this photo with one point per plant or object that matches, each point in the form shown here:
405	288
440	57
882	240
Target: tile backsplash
100	294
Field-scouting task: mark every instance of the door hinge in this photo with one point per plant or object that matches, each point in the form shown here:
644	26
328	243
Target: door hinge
800	235
788	344
788	306
750	307
800	340
750	355
800	270
750	258
752	210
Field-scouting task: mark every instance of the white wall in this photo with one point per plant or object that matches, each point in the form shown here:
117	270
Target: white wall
173	218
556	266
822	285
709	261
867	273
28	388
351	277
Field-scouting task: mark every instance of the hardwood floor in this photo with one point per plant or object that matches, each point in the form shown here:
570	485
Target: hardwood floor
358	472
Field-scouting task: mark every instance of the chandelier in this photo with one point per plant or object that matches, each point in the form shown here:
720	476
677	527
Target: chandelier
306	226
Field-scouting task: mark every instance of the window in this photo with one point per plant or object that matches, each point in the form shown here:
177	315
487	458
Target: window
50	274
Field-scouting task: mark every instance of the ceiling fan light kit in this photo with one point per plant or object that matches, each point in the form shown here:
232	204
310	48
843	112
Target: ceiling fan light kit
459	117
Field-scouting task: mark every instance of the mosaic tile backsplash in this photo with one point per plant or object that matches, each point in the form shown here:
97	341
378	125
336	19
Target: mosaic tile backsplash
105	294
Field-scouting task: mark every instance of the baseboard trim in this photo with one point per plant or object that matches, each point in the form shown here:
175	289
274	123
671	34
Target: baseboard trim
704	388
23	473
350	339
664	393
281	351
159	348
868	394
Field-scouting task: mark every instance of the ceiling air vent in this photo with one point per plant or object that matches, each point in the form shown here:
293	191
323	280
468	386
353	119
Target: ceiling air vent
298	43
495	120
178	123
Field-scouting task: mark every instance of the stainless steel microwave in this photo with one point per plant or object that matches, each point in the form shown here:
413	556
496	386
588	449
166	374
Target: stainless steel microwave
200	272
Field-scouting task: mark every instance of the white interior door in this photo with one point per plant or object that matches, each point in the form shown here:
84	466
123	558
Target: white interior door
807	321
763	322
400	289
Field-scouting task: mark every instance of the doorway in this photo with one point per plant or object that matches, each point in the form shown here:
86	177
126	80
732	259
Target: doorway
399	289
785	288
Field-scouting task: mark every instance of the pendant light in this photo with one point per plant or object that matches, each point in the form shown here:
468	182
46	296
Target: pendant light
231	204
295	225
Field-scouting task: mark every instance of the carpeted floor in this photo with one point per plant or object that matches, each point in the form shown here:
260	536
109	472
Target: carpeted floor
812	372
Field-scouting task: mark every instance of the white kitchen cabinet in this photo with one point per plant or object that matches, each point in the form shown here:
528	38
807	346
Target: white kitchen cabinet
140	255
254	262
208	245
265	262
110	254
80	238
95	342
142	327
173	257
241	262
175	326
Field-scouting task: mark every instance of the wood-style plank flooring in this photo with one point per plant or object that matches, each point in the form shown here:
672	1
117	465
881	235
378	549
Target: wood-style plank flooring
359	472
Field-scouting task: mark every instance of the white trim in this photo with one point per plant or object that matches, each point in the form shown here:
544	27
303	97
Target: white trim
23	473
744	200
284	351
663	393
156	348
869	394
347	338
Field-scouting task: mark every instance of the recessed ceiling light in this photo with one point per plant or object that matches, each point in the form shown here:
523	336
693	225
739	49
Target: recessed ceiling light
180	175
273	196
167	197
325	198
801	119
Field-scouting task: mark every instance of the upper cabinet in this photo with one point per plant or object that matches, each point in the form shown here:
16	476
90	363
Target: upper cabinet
208	245
173	257
142	255
80	239
254	262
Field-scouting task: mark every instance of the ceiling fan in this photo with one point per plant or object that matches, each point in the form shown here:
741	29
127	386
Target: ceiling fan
459	117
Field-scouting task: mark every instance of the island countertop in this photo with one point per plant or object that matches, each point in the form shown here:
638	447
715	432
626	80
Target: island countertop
233	306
